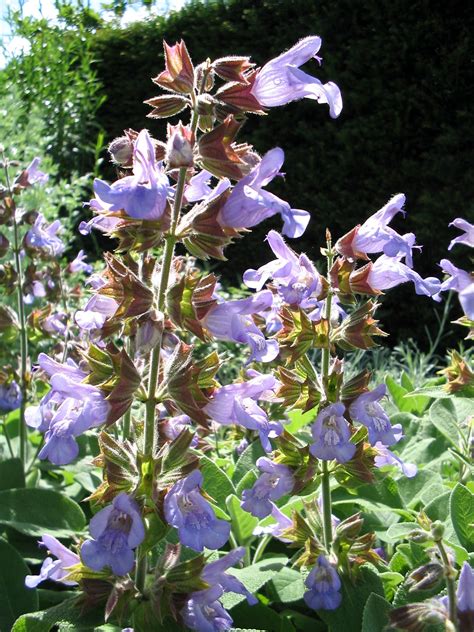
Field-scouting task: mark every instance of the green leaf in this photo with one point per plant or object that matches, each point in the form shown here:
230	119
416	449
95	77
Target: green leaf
15	598
216	482
66	616
253	578
375	616
11	474
415	405
35	512
461	506
247	460
400	530
287	586
411	489
443	417
390	581
246	482
299	419
261	617
348	616
243	523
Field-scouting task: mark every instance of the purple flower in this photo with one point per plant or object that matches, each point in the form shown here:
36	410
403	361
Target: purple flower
235	404
44	237
280	81
204	613
55	323
117	530
386	457
203	610
465	591
78	264
215	574
276	529
67	411
33	174
331	435
461	282
187	511
323	585
249	204
198	187
376	236
103	222
367	410
173	426
98	308
10	397
276	481
388	272
143	195
232	320
54	569
294	276
467	237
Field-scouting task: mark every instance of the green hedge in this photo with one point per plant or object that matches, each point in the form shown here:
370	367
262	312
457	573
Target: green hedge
406	75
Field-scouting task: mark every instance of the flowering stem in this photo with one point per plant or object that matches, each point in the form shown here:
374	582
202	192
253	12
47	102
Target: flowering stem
326	354
21	314
449	575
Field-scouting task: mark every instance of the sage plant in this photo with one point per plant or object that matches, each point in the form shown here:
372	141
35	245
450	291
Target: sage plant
169	522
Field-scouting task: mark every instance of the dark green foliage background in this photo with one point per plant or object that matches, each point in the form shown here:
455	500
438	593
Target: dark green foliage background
405	70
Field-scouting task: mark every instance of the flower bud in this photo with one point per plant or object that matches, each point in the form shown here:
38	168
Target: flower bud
419	536
121	151
425	577
149	333
179	148
205	105
437	530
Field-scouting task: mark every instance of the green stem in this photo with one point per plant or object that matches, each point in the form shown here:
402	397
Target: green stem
150	404
5	432
262	545
22	316
325	359
450	584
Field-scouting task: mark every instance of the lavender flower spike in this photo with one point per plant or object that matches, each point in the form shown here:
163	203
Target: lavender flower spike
276	481
331	435
467	237
367	411
280	81
187	511
143	195
249	204
117	530
324	585
57	569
